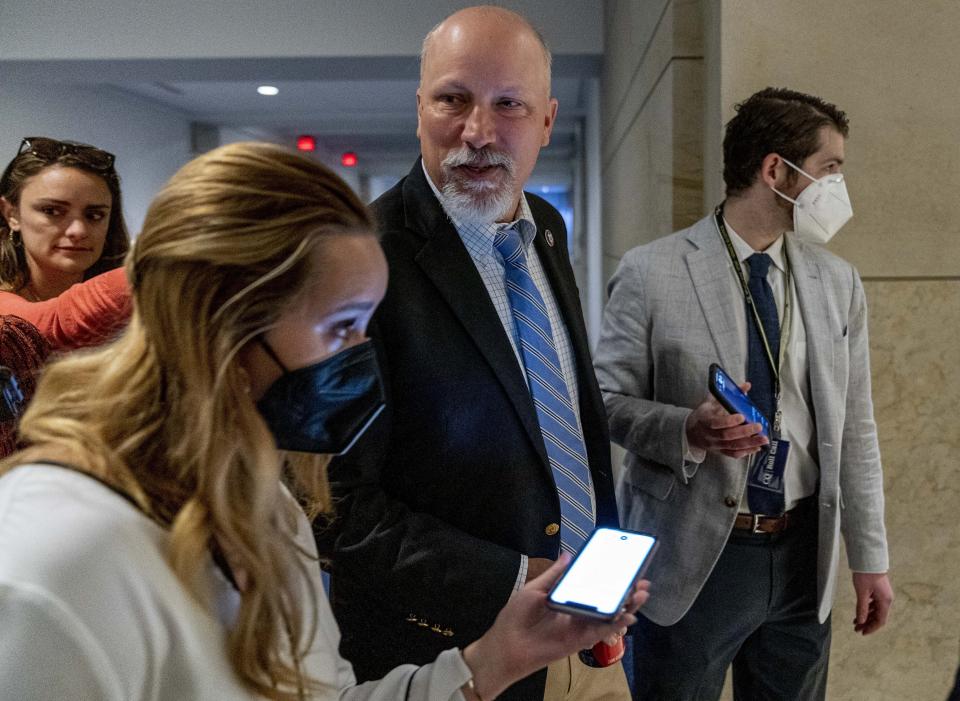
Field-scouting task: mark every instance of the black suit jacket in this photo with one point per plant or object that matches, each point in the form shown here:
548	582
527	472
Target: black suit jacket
439	499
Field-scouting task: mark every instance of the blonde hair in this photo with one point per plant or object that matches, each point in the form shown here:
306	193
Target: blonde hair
164	413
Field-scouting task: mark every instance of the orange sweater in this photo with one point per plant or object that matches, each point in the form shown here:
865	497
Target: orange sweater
87	314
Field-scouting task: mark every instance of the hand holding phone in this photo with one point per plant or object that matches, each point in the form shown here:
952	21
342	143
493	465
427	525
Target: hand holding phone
527	635
712	427
734	399
601	577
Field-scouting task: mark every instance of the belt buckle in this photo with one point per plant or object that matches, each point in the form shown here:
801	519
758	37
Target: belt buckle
755	525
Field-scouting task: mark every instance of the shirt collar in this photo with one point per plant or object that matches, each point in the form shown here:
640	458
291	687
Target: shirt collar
485	232
744	251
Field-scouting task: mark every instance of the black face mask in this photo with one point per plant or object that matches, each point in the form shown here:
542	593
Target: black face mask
324	407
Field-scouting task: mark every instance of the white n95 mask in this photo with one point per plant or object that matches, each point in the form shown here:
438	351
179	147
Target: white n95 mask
821	208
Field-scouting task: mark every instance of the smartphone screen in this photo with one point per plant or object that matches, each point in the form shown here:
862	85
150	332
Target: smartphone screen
734	400
11	398
600	578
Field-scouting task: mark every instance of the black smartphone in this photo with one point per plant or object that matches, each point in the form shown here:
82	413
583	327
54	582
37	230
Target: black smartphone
601	576
734	399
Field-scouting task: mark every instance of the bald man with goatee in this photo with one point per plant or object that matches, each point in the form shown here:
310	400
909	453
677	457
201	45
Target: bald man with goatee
480	471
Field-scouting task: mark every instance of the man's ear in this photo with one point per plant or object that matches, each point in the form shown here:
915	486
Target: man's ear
773	171
10	212
419	111
548	121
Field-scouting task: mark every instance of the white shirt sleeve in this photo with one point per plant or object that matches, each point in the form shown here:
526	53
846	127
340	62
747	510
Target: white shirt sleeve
522	573
440	680
47	653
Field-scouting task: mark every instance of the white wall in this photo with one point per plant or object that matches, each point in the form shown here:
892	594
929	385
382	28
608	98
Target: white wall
149	141
120	29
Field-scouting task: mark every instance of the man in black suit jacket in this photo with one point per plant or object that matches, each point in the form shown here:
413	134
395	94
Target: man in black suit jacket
449	504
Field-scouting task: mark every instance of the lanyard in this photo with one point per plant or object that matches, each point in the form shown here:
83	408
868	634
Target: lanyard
775	364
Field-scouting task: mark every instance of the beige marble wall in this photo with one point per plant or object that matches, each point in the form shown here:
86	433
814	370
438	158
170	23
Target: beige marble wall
893	66
916	378
652	121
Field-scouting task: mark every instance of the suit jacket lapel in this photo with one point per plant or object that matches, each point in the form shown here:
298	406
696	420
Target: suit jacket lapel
567	298
445	261
710	271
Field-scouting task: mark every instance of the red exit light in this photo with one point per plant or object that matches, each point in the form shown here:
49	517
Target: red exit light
305	142
348	159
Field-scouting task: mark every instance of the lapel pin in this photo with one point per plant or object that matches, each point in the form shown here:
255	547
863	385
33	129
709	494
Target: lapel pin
549	236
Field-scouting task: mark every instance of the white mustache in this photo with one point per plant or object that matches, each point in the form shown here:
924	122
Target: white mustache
482	158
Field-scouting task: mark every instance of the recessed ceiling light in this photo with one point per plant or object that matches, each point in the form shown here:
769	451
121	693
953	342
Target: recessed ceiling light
268	90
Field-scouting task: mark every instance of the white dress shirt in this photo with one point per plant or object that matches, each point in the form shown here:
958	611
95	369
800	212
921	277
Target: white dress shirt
801	472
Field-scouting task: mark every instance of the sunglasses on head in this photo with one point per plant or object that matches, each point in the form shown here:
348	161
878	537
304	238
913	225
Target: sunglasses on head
51	149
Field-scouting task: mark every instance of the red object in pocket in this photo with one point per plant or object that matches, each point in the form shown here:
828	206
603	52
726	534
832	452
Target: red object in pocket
602	655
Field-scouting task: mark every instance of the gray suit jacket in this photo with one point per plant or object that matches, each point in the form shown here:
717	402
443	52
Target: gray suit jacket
671	313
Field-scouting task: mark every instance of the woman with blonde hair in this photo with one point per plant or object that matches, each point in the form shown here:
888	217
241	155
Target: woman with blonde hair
148	546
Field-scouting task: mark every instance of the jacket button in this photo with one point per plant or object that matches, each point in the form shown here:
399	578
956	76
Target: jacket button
730	501
552	529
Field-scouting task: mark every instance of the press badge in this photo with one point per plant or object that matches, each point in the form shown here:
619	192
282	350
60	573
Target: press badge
767	469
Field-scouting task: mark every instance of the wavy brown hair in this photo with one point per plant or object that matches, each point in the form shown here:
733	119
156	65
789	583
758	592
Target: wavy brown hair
14	273
164	413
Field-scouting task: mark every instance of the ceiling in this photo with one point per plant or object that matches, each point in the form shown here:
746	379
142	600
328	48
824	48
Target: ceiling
364	104
369	114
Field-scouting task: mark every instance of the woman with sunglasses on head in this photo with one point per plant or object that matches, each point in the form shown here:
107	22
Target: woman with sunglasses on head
61	229
148	547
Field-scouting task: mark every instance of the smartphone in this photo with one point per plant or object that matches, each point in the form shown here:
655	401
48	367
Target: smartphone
601	576
734	399
11	397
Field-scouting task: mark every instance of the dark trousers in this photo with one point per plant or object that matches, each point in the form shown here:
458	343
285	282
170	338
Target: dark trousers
758	612
955	694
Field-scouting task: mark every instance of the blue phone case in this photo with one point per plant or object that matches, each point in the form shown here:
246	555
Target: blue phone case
734	400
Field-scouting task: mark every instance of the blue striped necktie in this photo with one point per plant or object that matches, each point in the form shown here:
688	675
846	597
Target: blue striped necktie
551	397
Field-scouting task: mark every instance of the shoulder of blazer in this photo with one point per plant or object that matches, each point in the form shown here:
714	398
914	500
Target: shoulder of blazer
701	236
841	272
816	253
388	208
410	207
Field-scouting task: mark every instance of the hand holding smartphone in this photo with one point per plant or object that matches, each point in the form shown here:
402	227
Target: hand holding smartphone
601	577
734	399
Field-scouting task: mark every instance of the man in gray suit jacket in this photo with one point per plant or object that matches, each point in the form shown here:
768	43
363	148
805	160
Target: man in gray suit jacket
749	520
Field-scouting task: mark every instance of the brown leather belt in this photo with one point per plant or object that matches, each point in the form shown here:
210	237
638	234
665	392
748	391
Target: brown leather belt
757	523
